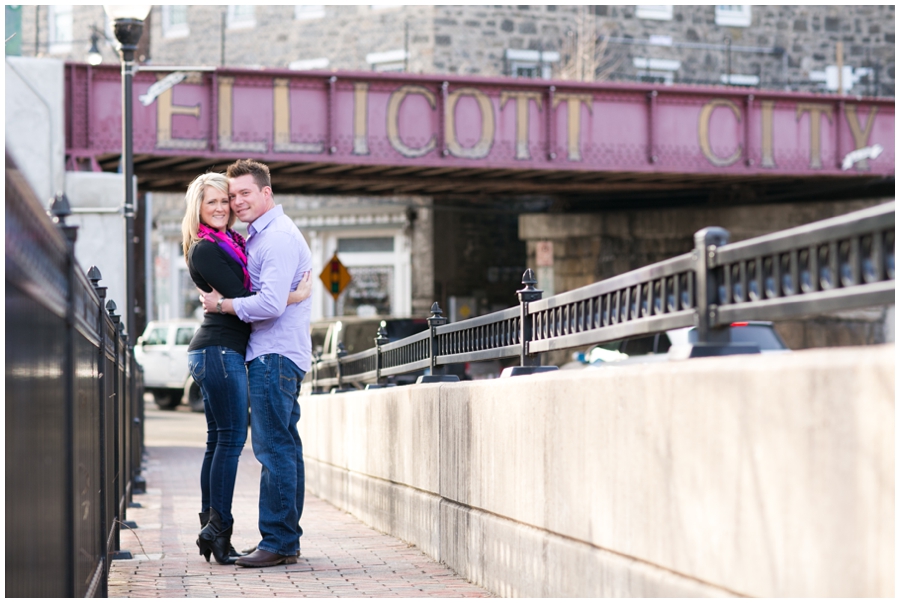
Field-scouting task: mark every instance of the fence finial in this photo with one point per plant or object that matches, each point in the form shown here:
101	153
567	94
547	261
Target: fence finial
60	208
381	336
111	308
529	292
94	275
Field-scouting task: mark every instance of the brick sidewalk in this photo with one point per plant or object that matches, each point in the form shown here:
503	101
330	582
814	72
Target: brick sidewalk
340	556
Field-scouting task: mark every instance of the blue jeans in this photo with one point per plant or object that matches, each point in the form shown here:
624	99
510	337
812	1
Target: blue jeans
222	376
275	411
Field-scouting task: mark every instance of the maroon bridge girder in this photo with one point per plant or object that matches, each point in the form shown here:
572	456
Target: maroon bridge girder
365	132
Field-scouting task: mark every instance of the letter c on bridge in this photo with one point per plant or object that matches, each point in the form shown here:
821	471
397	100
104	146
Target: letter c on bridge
393	120
703	131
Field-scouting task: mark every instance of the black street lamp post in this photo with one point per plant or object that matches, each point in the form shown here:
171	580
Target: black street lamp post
128	26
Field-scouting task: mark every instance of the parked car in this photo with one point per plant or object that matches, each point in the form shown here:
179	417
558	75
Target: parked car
655	347
162	352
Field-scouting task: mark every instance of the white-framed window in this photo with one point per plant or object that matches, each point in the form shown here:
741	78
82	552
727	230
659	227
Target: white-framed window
737	79
656	70
174	21
392	60
241	16
60	28
309	12
531	63
309	64
660	12
735	15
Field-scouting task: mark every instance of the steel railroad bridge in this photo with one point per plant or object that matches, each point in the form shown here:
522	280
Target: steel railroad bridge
364	133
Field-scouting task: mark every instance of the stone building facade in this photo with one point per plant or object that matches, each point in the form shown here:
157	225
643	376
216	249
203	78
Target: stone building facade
783	47
466	254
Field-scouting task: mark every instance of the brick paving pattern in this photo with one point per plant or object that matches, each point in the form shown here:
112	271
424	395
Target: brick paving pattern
340	556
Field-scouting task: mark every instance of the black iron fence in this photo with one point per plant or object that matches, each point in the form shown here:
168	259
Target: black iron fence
840	263
74	409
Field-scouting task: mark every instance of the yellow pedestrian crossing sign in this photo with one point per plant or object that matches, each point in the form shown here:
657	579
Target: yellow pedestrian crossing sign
335	277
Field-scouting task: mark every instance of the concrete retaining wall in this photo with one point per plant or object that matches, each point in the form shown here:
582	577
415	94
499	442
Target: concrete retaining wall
763	476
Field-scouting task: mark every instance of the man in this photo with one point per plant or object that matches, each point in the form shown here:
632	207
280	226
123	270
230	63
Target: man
278	357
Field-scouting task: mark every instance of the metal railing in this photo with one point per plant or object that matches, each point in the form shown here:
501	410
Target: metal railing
74	409
839	263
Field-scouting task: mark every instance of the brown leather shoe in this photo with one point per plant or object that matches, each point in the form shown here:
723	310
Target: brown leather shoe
261	558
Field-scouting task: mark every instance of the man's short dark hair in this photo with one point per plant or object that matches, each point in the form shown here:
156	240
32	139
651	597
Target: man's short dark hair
259	171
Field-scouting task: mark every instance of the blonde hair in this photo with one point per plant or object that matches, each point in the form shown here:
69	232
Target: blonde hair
193	200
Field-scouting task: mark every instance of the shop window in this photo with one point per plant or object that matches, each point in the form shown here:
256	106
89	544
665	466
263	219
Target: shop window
659	12
369	292
733	15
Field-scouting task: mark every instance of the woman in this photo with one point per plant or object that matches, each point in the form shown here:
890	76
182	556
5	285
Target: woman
216	258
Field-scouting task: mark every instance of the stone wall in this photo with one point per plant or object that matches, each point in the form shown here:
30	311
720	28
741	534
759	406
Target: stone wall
473	39
739	476
345	35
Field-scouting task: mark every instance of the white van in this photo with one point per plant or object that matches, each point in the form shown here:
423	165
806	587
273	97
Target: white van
162	352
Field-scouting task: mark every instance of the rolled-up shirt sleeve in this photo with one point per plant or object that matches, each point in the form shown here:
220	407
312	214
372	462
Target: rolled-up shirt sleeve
279	257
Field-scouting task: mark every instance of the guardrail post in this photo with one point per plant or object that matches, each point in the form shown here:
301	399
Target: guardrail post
60	210
528	363
317	357
434	321
95	277
118	407
712	340
526	294
341	352
381	339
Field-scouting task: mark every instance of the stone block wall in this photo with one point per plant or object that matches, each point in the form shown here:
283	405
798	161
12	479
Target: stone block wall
473	39
737	476
345	35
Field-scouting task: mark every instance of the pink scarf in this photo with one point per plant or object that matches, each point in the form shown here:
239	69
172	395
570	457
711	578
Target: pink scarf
232	243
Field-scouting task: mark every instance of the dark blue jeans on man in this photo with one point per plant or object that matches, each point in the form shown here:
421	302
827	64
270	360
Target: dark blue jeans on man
222	376
275	411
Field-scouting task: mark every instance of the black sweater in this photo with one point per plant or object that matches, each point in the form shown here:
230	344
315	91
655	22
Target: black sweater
212	268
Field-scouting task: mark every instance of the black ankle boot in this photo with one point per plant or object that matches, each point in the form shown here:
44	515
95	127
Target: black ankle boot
204	519
216	540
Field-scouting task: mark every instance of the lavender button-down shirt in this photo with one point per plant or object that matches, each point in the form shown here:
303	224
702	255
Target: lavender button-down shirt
277	257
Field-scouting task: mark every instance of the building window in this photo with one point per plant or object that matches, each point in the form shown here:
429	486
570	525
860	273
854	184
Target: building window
174	21
392	60
241	16
60	33
308	12
385	6
658	71
366	245
660	12
736	79
309	64
531	63
733	15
